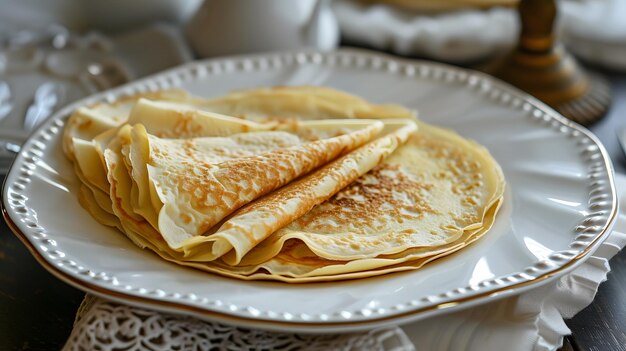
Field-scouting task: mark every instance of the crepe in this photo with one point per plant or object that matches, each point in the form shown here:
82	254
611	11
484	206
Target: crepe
173	195
297	264
200	181
428	193
161	118
301	102
253	224
460	181
278	103
88	121
276	194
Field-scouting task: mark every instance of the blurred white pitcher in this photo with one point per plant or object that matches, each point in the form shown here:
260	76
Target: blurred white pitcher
225	27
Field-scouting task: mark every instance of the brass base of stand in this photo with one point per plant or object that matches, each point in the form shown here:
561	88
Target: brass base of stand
555	78
591	106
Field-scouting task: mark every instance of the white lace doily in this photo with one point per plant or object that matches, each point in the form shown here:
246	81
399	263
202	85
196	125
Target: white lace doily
108	326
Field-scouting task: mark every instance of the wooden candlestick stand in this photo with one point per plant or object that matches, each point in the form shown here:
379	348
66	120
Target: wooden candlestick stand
540	66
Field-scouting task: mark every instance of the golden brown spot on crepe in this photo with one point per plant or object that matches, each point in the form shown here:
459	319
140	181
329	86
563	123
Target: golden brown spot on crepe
185	217
280	119
378	194
84	123
189	149
185	125
466	218
470	201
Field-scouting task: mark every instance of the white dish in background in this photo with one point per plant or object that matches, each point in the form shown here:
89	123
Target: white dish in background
559	204
279	25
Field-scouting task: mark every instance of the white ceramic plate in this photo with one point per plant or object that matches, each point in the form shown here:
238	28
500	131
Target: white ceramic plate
559	204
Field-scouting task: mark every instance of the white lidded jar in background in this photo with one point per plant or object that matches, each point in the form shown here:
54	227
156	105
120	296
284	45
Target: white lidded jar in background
225	27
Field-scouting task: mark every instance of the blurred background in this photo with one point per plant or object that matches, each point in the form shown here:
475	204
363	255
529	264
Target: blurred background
56	51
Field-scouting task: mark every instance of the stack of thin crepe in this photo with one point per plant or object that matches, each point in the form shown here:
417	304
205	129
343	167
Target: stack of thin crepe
293	184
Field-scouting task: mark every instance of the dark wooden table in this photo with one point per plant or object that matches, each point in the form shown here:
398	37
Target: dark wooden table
37	310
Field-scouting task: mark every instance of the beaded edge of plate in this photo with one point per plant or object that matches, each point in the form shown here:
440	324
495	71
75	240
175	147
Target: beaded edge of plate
601	203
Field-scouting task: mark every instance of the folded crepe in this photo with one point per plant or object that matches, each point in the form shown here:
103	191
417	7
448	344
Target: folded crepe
195	183
466	181
88	121
298	264
427	193
286	199
300	102
269	213
190	184
434	195
172	121
282	103
251	225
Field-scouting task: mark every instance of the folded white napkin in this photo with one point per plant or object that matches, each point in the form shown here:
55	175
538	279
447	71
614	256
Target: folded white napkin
592	29
530	321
